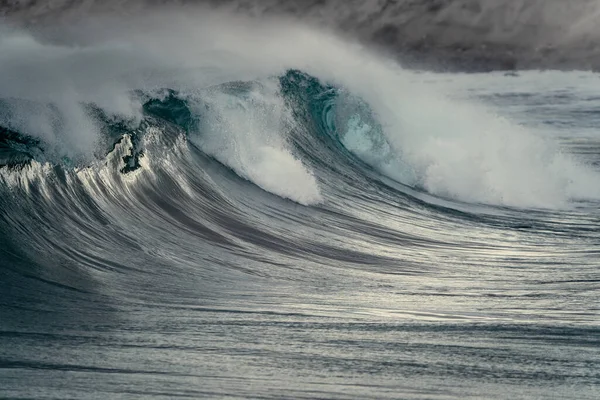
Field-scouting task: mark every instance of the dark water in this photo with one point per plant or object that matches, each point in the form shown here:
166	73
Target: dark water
191	260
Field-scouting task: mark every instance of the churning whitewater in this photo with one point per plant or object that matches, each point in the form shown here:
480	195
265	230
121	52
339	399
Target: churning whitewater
228	79
196	204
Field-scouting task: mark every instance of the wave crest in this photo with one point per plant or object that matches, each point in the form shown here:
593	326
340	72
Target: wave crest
391	118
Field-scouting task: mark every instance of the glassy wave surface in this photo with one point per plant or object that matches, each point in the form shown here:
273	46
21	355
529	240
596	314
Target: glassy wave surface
206	206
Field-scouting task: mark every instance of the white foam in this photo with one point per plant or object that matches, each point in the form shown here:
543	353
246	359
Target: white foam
247	132
452	149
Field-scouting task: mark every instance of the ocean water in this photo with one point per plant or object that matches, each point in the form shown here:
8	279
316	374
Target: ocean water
209	207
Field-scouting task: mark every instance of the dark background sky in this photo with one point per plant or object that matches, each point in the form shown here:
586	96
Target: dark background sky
455	34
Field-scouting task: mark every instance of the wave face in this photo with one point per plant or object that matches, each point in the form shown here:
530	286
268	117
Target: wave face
197	204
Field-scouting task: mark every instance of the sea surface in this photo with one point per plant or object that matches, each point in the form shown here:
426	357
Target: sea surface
230	210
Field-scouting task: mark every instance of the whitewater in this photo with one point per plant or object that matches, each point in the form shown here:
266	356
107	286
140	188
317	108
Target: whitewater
196	204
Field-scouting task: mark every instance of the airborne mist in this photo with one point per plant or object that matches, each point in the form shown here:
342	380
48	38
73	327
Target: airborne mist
439	34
